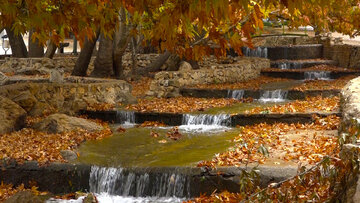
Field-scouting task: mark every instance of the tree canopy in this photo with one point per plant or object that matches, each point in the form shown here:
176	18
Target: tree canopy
191	28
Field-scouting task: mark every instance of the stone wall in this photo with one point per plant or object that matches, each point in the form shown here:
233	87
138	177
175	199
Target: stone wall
41	66
168	83
39	98
347	56
350	108
283	40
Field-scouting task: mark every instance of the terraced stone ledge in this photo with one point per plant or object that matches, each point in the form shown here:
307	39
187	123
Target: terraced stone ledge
172	119
61	178
255	94
301	75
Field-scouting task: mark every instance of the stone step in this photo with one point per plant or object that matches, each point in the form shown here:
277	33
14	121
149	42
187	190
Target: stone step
63	178
298	64
255	94
302	75
172	119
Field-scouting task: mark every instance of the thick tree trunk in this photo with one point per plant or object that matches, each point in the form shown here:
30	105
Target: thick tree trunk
82	63
35	48
156	65
17	44
51	49
104	58
173	63
122	39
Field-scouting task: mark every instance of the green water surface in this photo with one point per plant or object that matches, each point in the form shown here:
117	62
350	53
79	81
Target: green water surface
136	148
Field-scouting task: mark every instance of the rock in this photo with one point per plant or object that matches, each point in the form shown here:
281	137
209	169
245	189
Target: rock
185	66
24	197
3	79
56	76
68	155
12	116
59	123
40	108
126	98
26	100
90	198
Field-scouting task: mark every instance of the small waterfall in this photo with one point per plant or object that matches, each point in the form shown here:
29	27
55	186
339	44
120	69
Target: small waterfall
125	117
317	75
257	52
125	182
206	119
236	94
289	65
273	95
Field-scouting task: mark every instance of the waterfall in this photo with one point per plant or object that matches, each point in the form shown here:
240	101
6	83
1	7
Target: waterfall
126	182
206	119
273	95
317	75
257	52
289	65
125	117
236	94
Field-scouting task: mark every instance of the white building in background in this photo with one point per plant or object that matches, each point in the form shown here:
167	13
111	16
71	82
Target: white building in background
2	51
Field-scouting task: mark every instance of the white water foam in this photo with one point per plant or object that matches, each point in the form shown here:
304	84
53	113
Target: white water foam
273	96
106	198
205	123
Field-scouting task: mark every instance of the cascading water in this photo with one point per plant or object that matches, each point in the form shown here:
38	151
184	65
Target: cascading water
122	185
258	52
317	75
236	94
273	96
205	122
289	65
125	117
125	182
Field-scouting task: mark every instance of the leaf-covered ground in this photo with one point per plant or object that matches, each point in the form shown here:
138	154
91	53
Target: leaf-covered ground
305	143
28	144
179	104
140	87
324	84
251	84
311	104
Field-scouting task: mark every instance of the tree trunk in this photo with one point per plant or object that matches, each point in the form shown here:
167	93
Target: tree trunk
122	39
51	49
17	44
82	63
104	59
35	49
173	63
156	65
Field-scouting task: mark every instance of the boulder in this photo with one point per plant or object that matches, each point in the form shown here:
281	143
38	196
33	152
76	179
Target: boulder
3	79
12	116
40	108
68	155
185	66
24	197
59	123
25	99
